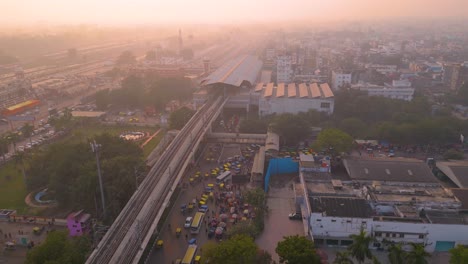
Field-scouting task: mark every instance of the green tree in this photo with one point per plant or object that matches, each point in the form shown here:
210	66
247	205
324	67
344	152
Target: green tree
396	255
58	248
359	249
459	255
68	170
243	228
342	257
291	128
296	250
417	255
180	117
126	57
336	139
238	249
353	126
27	130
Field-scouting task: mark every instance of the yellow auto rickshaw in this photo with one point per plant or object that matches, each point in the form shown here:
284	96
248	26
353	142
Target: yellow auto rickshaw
178	231
197	259
159	243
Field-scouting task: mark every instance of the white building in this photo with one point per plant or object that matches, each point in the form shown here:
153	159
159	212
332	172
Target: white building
294	98
333	219
284	70
394	92
393	200
339	79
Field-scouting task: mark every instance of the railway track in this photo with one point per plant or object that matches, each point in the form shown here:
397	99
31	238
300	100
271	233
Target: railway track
122	226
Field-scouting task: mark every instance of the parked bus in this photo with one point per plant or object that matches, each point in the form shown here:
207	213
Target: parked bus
224	177
197	223
189	257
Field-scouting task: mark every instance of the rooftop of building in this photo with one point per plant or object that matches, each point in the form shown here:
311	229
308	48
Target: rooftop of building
236	72
389	170
79	216
340	207
436	196
291	90
457	171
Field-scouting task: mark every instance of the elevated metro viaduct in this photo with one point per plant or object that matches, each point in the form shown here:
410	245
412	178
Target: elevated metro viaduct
131	231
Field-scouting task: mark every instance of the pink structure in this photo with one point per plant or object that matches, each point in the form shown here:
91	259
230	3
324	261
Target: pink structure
78	223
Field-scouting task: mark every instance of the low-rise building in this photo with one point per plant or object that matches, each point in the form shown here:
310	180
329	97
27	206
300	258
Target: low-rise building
294	98
340	79
389	91
393	200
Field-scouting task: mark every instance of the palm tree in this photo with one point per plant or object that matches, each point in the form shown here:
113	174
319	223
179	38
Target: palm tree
342	258
396	255
359	249
417	255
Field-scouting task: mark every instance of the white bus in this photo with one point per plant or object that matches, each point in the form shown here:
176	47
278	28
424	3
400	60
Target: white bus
224	177
189	257
197	223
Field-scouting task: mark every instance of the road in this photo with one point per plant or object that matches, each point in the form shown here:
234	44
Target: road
131	231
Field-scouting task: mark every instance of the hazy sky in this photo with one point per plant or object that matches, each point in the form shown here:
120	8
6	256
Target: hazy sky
220	11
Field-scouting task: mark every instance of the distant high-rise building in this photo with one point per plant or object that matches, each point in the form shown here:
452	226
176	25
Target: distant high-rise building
284	70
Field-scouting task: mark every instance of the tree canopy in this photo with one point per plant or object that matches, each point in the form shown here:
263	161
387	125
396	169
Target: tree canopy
459	255
180	117
297	250
59	248
69	171
149	90
237	249
335	139
291	128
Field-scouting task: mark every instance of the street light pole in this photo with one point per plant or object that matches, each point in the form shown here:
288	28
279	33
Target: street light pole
95	148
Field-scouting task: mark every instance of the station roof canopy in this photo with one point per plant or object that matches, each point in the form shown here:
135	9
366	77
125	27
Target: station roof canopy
457	171
243	69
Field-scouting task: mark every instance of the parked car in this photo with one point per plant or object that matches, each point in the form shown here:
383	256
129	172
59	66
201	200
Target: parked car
295	216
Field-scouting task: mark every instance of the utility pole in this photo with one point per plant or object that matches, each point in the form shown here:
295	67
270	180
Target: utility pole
95	148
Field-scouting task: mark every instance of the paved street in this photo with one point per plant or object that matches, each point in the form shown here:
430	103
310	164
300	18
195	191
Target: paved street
175	247
277	224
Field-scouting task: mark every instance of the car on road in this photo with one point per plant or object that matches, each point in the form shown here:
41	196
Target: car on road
188	222
295	216
203	208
